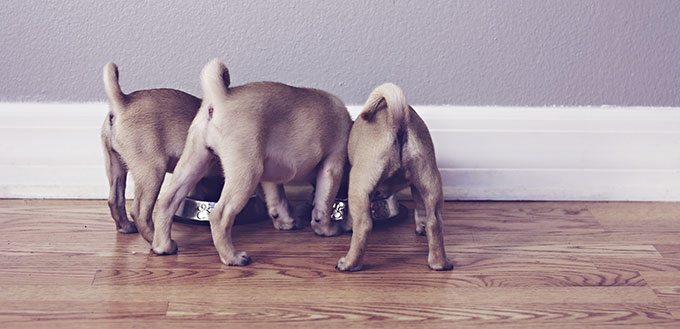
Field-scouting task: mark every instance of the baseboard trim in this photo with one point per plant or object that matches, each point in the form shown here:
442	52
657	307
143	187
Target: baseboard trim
52	150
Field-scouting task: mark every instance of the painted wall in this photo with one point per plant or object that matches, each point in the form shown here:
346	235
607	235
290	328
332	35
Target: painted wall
477	52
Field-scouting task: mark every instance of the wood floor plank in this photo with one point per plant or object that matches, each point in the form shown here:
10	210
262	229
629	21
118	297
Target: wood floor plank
523	218
21	311
80	323
391	324
662	278
637	216
408	263
669	250
623	250
665	242
576	314
17	260
75	314
670	297
278	274
637	264
33	276
330	292
666	285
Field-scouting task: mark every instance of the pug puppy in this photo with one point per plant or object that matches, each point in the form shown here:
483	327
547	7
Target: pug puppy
144	133
390	148
261	132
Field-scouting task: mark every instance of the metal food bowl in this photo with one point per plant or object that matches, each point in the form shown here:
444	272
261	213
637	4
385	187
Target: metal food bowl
197	211
381	208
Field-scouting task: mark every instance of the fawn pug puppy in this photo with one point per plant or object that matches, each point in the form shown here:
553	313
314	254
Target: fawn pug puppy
389	149
262	132
144	133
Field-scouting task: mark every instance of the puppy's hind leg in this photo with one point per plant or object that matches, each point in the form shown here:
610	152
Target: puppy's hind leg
193	164
238	187
148	181
278	207
117	174
429	202
328	179
361	185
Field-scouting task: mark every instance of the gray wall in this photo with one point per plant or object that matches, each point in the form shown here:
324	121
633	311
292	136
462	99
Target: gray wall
477	52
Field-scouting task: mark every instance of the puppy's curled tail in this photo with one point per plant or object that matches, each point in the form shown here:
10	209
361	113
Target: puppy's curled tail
214	80
391	97
111	86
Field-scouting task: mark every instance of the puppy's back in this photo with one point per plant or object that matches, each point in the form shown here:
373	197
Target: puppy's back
389	127
153	121
272	101
167	105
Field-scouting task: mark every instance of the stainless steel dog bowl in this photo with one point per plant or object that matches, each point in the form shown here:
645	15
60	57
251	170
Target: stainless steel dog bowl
197	211
381	208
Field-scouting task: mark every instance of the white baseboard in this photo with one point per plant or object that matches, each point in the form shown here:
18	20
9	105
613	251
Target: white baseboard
484	153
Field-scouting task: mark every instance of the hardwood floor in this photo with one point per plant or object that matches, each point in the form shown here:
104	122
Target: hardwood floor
517	264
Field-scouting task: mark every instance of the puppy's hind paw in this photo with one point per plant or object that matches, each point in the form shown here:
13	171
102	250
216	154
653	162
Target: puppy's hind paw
344	266
446	265
127	228
164	249
241	258
285	223
329	228
284	226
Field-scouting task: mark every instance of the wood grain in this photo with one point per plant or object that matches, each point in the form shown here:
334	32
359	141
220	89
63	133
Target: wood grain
669	250
518	265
